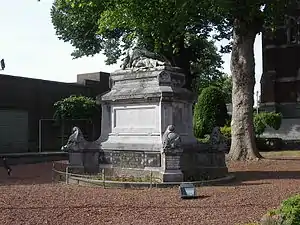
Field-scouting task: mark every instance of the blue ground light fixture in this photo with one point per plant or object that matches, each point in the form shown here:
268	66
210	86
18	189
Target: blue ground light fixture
187	190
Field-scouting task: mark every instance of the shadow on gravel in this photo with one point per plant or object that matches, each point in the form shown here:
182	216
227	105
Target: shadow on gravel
201	197
241	176
27	174
239	183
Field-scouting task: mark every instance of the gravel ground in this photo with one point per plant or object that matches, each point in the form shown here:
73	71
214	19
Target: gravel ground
29	197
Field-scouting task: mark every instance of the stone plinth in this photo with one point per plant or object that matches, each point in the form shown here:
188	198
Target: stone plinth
83	155
171	165
137	111
85	160
141	105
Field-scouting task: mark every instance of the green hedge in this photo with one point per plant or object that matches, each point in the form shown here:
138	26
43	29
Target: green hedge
210	111
260	121
264	119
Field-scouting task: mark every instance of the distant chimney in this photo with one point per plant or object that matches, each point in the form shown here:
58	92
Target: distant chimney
2	64
97	76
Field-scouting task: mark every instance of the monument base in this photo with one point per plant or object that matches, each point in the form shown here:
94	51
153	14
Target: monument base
171	176
197	162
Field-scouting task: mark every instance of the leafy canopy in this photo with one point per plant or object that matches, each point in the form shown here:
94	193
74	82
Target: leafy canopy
177	30
250	15
75	107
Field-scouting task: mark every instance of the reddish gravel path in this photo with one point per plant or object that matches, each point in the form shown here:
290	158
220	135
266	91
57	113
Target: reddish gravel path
29	197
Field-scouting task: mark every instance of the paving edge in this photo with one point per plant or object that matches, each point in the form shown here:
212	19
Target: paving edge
92	182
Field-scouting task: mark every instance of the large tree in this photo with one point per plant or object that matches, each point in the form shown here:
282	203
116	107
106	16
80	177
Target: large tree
247	18
177	30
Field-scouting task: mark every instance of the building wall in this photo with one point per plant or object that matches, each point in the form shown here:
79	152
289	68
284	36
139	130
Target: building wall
38	96
280	80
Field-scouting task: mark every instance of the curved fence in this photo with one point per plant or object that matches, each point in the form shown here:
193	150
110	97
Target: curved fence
62	172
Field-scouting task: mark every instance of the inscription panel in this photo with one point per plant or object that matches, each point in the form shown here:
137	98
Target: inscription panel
144	117
130	159
173	162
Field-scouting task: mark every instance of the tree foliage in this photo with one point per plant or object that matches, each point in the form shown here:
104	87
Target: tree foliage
226	84
222	81
266	119
177	30
261	122
250	16
210	111
75	107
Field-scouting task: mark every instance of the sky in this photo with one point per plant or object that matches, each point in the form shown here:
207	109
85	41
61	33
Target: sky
30	47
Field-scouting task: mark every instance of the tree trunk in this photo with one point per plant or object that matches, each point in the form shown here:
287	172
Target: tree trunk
243	146
182	60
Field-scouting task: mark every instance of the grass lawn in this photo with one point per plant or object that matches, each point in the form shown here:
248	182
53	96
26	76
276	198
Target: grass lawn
286	153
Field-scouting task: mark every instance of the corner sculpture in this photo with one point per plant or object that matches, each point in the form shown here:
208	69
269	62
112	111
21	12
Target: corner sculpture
82	153
217	140
141	58
76	141
171	139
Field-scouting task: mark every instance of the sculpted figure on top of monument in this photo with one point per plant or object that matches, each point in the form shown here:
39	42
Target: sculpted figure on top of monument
142	58
171	139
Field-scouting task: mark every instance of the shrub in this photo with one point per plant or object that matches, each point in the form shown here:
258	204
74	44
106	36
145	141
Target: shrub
209	111
264	119
75	107
260	121
226	131
204	139
288	213
290	210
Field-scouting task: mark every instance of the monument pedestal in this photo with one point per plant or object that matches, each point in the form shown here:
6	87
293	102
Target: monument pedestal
171	167
142	103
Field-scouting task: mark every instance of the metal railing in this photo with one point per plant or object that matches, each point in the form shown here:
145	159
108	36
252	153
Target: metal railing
106	181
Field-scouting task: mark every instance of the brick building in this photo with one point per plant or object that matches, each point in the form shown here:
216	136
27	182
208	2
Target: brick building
24	101
280	82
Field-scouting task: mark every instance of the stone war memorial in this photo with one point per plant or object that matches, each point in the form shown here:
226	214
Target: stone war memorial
147	126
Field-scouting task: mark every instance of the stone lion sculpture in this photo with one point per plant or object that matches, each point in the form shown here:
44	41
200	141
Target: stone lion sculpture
76	141
82	153
217	140
141	58
171	139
